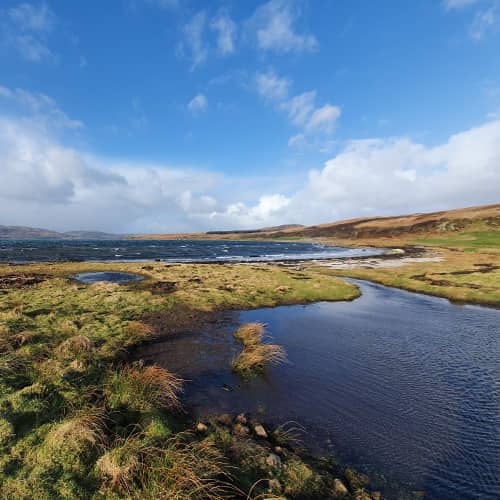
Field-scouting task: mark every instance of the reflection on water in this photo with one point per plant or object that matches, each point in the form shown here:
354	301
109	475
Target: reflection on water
395	383
108	276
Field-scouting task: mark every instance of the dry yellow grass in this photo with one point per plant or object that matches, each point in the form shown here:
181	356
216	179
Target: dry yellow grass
144	387
255	355
250	333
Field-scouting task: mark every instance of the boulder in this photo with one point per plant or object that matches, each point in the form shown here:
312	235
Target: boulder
201	427
260	431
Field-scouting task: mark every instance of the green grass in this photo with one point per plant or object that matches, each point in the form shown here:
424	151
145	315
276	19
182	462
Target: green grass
470	241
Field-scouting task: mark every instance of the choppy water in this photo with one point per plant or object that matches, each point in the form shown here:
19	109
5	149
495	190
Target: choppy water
171	251
398	384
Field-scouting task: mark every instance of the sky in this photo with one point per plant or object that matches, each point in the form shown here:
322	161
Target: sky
135	116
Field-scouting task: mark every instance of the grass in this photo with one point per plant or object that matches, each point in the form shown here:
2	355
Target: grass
77	420
468	241
255	355
468	273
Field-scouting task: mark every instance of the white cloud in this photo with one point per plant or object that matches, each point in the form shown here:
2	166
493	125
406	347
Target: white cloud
315	121
324	118
26	30
484	21
300	107
225	28
198	104
193	40
271	86
47	183
397	175
42	108
273	27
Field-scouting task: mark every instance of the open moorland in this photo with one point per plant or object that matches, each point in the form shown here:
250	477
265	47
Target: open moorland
78	420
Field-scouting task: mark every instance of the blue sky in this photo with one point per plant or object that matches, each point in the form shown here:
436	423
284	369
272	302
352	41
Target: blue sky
179	115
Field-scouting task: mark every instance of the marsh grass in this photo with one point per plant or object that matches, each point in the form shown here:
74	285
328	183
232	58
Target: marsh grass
255	355
144	388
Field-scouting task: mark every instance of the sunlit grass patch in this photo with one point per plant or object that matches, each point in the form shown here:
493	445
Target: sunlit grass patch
144	388
255	355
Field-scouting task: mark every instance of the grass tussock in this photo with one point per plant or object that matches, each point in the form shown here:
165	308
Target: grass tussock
179	470
255	355
144	388
250	333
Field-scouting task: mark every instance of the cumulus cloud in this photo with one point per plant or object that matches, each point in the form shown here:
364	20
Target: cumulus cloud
272	87
225	28
272	24
398	175
26	30
316	121
46	182
198	104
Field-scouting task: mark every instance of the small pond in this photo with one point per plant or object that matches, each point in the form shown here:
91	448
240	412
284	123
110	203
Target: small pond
400	385
108	276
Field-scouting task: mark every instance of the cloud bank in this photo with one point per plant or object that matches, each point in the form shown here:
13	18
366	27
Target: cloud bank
47	182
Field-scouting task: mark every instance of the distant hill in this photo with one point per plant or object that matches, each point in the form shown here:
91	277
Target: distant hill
414	225
485	217
34	233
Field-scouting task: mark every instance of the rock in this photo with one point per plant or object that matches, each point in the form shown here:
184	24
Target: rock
278	450
376	495
260	431
201	427
275	486
225	419
241	419
273	461
339	489
241	430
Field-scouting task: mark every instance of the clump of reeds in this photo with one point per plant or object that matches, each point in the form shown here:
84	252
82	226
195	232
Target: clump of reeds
144	388
255	355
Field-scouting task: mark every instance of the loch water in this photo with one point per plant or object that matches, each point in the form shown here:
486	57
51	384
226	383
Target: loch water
403	386
19	251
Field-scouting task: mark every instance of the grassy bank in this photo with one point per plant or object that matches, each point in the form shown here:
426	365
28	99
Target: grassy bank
469	270
78	421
